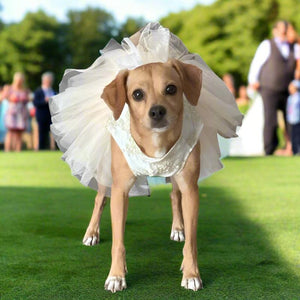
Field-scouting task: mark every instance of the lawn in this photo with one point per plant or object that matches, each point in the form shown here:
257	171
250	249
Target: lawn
248	234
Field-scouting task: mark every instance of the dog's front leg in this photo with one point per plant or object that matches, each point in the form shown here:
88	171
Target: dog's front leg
123	180
177	230
187	181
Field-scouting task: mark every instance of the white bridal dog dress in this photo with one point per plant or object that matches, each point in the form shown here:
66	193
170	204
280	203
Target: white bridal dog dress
82	123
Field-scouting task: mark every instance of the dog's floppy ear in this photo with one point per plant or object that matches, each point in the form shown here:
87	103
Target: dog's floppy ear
191	77
115	94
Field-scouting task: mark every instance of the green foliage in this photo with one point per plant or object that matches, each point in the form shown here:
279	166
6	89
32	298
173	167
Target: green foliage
243	108
40	43
227	33
31	46
88	31
130	26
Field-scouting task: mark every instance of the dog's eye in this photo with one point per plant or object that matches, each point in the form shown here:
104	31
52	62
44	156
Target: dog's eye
138	95
171	89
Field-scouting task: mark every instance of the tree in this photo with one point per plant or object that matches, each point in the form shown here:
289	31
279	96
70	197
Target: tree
88	32
130	26
32	46
1	23
227	33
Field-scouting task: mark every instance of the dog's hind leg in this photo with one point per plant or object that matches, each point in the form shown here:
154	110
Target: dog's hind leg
177	230
92	234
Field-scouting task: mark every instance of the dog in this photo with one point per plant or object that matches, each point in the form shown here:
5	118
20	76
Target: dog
154	94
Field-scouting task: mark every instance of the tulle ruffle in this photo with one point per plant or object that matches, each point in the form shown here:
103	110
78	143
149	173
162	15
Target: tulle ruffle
79	115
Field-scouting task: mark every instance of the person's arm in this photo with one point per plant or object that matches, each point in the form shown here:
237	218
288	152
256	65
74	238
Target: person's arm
39	98
261	55
296	84
297	57
4	94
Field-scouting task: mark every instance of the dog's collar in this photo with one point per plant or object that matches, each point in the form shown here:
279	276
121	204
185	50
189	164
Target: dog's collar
169	164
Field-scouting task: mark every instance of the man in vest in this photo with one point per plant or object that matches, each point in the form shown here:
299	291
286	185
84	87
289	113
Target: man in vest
271	71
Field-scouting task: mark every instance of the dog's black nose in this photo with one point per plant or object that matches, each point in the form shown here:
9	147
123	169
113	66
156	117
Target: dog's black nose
157	112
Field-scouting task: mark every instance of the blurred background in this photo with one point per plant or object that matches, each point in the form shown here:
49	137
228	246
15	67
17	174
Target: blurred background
36	36
50	36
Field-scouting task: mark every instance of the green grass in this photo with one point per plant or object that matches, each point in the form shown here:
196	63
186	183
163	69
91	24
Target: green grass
248	234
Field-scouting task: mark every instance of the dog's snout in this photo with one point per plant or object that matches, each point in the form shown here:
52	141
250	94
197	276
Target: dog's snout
157	112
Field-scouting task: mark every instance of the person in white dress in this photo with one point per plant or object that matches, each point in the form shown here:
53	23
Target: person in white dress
271	71
250	141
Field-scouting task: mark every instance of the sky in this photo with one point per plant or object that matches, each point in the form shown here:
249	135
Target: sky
150	10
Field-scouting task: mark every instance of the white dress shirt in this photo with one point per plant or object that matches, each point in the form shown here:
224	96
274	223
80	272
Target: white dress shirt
263	52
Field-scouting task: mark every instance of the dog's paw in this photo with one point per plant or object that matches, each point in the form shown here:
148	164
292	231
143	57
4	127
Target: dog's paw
177	235
115	284
193	283
91	236
90	240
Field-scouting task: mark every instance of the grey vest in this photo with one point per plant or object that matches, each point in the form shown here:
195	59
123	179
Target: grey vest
277	72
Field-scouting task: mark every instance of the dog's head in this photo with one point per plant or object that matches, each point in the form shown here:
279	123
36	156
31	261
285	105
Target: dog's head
154	93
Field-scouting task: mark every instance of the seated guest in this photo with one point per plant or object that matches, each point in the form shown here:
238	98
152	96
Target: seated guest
41	99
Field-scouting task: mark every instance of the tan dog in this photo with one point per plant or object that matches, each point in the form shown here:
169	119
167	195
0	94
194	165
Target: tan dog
154	94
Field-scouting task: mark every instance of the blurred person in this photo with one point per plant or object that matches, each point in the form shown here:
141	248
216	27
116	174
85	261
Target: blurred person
293	112
2	115
293	39
291	34
243	98
43	117
34	126
271	71
17	114
229	81
30	137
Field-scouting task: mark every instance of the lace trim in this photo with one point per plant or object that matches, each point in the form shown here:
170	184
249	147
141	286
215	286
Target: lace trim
167	165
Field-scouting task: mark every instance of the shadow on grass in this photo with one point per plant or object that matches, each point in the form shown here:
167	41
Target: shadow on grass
42	256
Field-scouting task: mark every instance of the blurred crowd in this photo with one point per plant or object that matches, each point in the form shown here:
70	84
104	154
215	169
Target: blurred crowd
24	115
275	75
